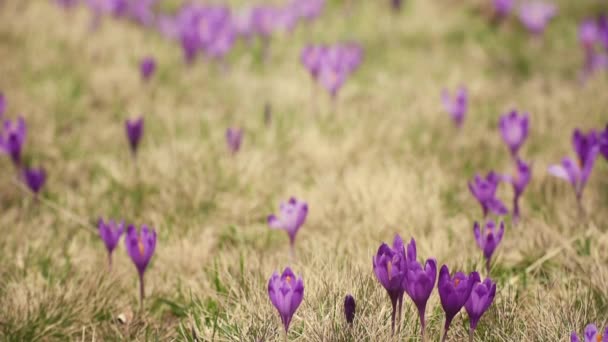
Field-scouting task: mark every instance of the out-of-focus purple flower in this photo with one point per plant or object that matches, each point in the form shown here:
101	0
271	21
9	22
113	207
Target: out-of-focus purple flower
502	8
168	27
264	20
484	191
66	4
457	106
135	130
514	130
336	64
390	265
110	232
396	5
488	239
286	292
349	309
588	33
147	66
34	179
536	15
12	138
519	182
454	293
583	143
603	142
142	12
591	335
312	57
418	282
292	216
307	9
481	298
234	137
2	105
140	247
243	24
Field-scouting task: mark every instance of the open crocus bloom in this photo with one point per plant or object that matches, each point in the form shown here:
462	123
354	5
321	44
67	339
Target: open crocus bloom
484	190
419	281
454	292
480	300
140	246
514	130
292	216
591	335
286	292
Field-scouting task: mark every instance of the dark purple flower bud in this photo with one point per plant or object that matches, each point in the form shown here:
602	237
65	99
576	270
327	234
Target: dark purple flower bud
536	15
514	130
603	142
520	181
418	282
454	293
591	335
488	239
147	66
583	144
135	130
389	267
12	138
34	179
140	247
484	191
110	232
480	300
291	217
349	309
286	293
456	107
234	137
502	8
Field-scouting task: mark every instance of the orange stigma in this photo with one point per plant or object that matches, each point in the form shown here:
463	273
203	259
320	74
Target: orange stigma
389	269
288	279
456	282
140	246
599	337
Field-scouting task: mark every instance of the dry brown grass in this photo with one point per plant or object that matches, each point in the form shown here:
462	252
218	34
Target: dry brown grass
387	161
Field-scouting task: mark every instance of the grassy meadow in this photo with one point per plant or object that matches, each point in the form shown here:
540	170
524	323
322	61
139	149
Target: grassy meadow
383	159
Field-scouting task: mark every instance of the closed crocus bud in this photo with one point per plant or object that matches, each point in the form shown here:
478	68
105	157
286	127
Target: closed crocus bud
488	239
286	292
147	67
519	181
110	232
34	179
454	293
12	139
389	267
480	300
140	247
396	5
349	309
135	130
514	130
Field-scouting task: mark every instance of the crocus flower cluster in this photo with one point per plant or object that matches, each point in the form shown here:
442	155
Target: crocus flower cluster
292	216
286	292
591	335
535	16
593	37
456	106
330	66
399	272
587	147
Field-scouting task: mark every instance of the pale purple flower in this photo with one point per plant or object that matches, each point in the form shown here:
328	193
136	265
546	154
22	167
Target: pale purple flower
514	130
147	66
479	301
312	57
234	138
591	335
390	265
457	106
454	291
307	9
603	142
519	182
292	216
110	232
286	292
140	247
488	239
34	178
484	190
135	130
142	12
502	8
536	15
12	139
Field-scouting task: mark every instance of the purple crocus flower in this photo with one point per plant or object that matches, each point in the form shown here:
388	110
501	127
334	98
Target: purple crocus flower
292	216
389	267
234	137
514	130
454	293
349	309
456	107
34	179
396	5
536	15
588	33
307	9
147	67
603	142
311	57
578	172
142	12
418	282
110	232
520	181
286	293
488	239
480	300
484	191
12	138
332	76
135	130
140	247
591	335
66	4
502	8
